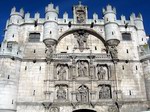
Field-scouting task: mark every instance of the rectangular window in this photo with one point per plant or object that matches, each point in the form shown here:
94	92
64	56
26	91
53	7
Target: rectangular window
34	37
9	45
126	36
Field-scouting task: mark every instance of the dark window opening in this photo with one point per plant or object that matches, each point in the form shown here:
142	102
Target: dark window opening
112	33
95	48
136	68
35	23
130	92
67	48
126	36
127	51
12	102
142	39
122	67
107	19
8	77
34	37
40	68
50	32
9	45
64	20
34	51
25	68
95	21
13	35
34	93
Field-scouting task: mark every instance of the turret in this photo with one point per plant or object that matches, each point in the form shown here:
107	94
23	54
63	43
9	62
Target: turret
140	29
112	33
11	38
51	25
95	17
12	29
65	17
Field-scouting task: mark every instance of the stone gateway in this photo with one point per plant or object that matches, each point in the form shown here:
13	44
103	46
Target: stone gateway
74	64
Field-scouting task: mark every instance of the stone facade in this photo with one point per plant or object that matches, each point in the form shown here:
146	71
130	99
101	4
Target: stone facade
56	64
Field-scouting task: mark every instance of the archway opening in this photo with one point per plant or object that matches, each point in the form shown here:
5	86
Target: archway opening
84	110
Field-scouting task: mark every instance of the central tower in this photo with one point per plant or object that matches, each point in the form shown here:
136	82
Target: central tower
80	13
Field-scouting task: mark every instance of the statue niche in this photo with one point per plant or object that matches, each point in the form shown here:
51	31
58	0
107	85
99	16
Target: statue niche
82	94
61	93
105	92
101	72
82	69
62	71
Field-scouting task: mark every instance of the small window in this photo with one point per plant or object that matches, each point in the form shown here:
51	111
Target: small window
126	36
34	37
9	45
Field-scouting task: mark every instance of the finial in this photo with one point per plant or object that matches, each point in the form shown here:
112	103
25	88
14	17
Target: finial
80	2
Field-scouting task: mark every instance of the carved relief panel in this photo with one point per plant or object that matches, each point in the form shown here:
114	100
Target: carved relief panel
61	92
105	92
82	95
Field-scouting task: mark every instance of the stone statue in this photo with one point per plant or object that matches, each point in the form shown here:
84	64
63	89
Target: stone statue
142	51
81	40
82	69
82	95
61	93
113	51
101	73
62	73
49	52
104	93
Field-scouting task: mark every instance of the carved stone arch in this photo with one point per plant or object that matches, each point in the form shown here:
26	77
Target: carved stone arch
84	110
88	30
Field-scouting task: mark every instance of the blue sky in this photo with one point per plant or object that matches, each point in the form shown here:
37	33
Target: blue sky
125	7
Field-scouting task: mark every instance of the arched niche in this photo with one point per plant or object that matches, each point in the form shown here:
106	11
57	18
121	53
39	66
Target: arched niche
67	43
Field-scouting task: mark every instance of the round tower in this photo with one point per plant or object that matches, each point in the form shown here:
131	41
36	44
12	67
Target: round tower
51	25
11	38
112	33
10	67
140	29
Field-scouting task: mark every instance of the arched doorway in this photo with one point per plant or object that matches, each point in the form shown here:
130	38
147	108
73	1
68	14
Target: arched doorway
84	110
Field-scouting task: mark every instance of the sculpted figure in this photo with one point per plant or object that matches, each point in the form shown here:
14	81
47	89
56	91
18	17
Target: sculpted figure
101	73
61	93
104	93
82	69
113	52
81	40
82	96
49	52
62	72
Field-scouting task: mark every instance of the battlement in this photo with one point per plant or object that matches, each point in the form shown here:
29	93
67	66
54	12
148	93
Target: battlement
14	12
109	9
138	17
51	8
